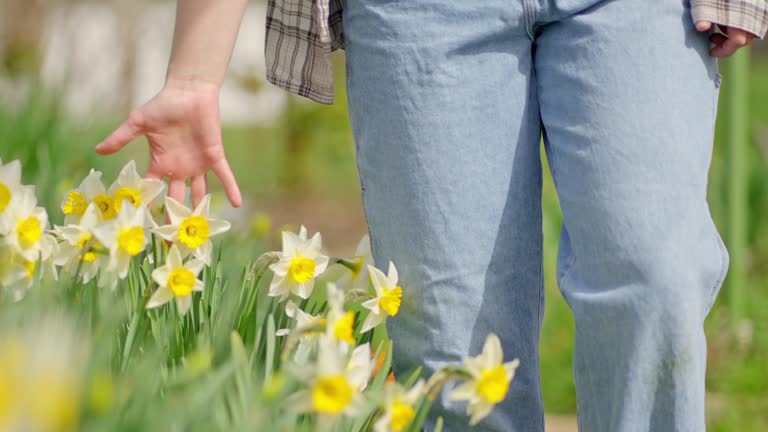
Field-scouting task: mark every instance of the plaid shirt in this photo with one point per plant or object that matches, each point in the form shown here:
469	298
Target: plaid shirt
301	34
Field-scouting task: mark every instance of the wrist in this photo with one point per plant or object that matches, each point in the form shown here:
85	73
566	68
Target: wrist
191	84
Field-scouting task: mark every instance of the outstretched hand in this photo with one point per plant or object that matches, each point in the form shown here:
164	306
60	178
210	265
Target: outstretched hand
183	127
726	44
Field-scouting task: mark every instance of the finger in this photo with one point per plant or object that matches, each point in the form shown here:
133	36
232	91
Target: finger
224	173
199	189
736	39
718	39
127	132
703	26
177	190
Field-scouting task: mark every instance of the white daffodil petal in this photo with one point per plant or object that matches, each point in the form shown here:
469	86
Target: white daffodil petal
91	217
511	367
321	264
415	392
218	226
195	266
316	241
465	391
173	260
371	321
304	290
177	212
92	185
199	286
204	207
392	276
106	234
290	243
184	303
167	232
378	279
479	412
203	253
492	351
151	189
162	296
382	424
291	308
281	267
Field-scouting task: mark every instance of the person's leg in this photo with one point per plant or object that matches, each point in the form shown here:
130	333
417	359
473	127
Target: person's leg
628	95
447	139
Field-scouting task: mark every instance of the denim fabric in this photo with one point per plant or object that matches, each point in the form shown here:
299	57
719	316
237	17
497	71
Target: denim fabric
448	101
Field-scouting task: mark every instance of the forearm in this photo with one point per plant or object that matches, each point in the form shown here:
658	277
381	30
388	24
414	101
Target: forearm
205	35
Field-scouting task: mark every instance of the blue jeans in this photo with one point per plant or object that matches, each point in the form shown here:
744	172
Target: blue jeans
448	102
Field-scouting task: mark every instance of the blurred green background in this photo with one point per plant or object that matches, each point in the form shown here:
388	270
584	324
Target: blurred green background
70	70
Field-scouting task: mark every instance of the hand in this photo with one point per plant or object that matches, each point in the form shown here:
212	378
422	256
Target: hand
726	44
183	128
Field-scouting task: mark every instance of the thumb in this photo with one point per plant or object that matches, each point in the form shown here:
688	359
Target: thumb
124	134
703	26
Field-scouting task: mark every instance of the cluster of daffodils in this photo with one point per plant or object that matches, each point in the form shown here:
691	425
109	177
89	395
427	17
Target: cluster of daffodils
25	240
109	232
336	372
104	230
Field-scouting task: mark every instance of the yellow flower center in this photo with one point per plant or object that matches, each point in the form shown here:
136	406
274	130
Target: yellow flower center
84	239
5	196
493	384
402	414
75	204
343	328
302	269
89	255
29	231
331	394
131	240
181	281
194	231
390	300
133	196
29	266
106	206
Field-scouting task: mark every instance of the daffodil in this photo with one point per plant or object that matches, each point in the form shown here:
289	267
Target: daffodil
399	406
301	261
91	190
25	226
176	280
335	383
357	278
490	380
131	187
18	273
124	237
10	183
340	323
79	247
387	300
304	322
191	230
